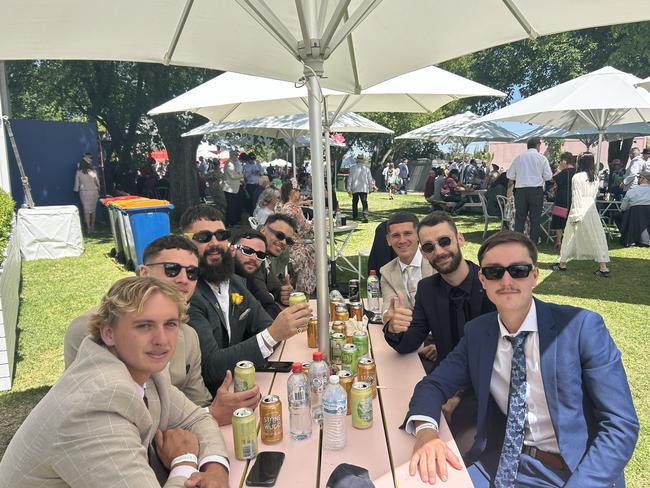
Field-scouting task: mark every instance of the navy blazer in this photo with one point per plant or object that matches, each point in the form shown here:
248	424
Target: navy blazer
586	389
220	352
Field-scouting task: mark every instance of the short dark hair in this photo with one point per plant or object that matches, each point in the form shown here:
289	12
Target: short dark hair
506	237
248	234
437	217
200	212
568	157
402	218
287	219
285	190
533	142
168	242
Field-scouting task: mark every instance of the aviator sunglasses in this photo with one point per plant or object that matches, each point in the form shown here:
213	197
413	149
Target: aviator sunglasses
172	270
428	247
516	271
249	251
281	236
205	236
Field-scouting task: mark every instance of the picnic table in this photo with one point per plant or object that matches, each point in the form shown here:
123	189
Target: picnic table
384	450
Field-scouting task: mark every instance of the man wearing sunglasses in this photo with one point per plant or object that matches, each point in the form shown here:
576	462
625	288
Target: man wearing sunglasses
555	408
230	321
273	276
249	249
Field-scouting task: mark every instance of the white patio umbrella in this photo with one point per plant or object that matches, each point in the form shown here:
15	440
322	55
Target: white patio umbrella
645	83
463	128
589	136
596	100
340	44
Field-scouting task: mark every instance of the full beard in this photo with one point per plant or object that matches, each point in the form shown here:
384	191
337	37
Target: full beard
457	258
218	272
243	272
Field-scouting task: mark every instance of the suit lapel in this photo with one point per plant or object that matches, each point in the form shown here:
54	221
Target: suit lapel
212	300
547	330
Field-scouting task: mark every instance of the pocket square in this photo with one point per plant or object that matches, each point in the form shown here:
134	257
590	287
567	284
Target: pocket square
245	314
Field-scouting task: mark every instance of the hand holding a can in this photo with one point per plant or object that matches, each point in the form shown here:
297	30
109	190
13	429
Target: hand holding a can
226	402
398	316
291	321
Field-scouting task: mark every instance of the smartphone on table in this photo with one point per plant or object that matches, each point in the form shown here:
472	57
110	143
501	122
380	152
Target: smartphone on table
275	367
266	468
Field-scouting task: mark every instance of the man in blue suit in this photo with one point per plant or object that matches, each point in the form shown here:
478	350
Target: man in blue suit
554	405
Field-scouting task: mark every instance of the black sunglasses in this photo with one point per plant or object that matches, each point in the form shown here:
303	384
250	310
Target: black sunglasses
516	271
249	251
281	236
205	236
428	247
172	270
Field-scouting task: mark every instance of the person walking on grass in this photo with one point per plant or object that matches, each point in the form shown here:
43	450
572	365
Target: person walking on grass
584	237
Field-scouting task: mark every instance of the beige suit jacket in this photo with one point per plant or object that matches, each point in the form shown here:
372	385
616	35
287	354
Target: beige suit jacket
391	280
92	429
184	367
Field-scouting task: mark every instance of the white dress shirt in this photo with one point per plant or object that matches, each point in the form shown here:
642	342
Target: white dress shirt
530	169
223	299
416	263
539	430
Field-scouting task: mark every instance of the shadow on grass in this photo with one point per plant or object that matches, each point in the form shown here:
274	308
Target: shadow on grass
15	406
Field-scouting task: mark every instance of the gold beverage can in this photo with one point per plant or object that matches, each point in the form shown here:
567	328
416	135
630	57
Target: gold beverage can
305	368
367	372
341	312
333	303
340	327
312	333
271	419
361	405
297	297
349	358
244	376
356	311
346	379
244	432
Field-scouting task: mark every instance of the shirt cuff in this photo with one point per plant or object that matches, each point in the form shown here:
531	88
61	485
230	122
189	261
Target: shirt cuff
215	459
264	349
183	471
410	423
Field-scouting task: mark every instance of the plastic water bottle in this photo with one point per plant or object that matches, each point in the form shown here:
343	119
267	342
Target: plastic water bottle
299	405
335	406
373	294
318	373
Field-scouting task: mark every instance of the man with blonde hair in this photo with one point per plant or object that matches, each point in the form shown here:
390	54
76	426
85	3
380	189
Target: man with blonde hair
97	423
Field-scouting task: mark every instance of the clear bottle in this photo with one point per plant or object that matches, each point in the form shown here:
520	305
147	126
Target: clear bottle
299	405
335	406
318	373
373	294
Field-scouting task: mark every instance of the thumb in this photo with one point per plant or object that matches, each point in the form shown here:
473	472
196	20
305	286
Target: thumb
227	381
159	439
287	280
391	303
400	296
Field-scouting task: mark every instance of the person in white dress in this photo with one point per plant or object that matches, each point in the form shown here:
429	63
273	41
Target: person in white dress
584	237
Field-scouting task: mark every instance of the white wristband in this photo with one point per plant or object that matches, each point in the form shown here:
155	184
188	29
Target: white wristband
268	338
426	425
185	458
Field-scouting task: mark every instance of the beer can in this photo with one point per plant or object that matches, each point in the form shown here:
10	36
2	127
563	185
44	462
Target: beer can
345	380
367	372
244	376
271	419
305	368
356	311
360	339
337	341
312	333
297	297
244	432
341	312
341	327
353	290
333	303
349	358
361	405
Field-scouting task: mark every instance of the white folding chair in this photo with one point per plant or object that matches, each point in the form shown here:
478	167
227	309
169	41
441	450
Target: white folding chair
486	214
252	221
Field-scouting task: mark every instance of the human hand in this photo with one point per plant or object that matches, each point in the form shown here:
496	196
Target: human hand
429	352
430	457
285	290
398	316
226	402
450	406
214	476
173	443
289	321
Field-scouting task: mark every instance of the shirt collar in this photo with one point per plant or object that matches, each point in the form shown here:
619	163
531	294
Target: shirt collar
217	289
140	389
529	324
416	261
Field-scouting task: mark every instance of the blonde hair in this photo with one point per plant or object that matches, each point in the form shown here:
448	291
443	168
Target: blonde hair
129	295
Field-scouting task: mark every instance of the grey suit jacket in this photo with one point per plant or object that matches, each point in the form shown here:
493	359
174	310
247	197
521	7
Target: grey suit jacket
93	429
184	367
391	280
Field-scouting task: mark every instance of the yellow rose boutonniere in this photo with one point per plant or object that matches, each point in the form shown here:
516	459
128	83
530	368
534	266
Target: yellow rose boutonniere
235	299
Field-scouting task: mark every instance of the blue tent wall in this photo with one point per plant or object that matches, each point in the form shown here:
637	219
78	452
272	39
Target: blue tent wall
50	152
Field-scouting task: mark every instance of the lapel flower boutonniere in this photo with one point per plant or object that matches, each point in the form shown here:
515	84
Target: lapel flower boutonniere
235	299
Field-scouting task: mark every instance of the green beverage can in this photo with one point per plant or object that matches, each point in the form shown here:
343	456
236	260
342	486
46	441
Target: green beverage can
244	432
337	341
349	358
360	339
361	405
244	376
297	297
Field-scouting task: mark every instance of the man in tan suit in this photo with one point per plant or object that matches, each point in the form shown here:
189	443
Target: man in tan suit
400	277
95	426
174	259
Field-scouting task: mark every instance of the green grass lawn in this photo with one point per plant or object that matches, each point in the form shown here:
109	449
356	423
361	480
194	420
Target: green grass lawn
54	292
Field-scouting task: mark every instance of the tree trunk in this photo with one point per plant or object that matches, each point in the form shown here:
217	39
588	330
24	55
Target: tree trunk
183	174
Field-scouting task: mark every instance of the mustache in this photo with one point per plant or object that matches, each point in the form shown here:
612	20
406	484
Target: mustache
508	289
213	250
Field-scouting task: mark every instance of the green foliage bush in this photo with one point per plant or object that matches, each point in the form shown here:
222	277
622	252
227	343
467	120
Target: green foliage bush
6	217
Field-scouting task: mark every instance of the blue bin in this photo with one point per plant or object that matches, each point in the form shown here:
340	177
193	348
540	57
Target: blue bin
143	225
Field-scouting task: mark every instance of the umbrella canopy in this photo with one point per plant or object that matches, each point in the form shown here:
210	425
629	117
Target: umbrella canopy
303	141
589	136
463	128
645	83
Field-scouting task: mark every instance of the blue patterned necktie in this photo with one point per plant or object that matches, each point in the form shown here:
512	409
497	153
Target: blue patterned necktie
514	437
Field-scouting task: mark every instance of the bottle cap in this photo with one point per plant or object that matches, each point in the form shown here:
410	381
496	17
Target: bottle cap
318	356
296	367
334	379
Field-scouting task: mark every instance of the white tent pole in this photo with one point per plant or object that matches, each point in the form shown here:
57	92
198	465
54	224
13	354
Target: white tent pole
600	145
5	178
293	153
330	201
